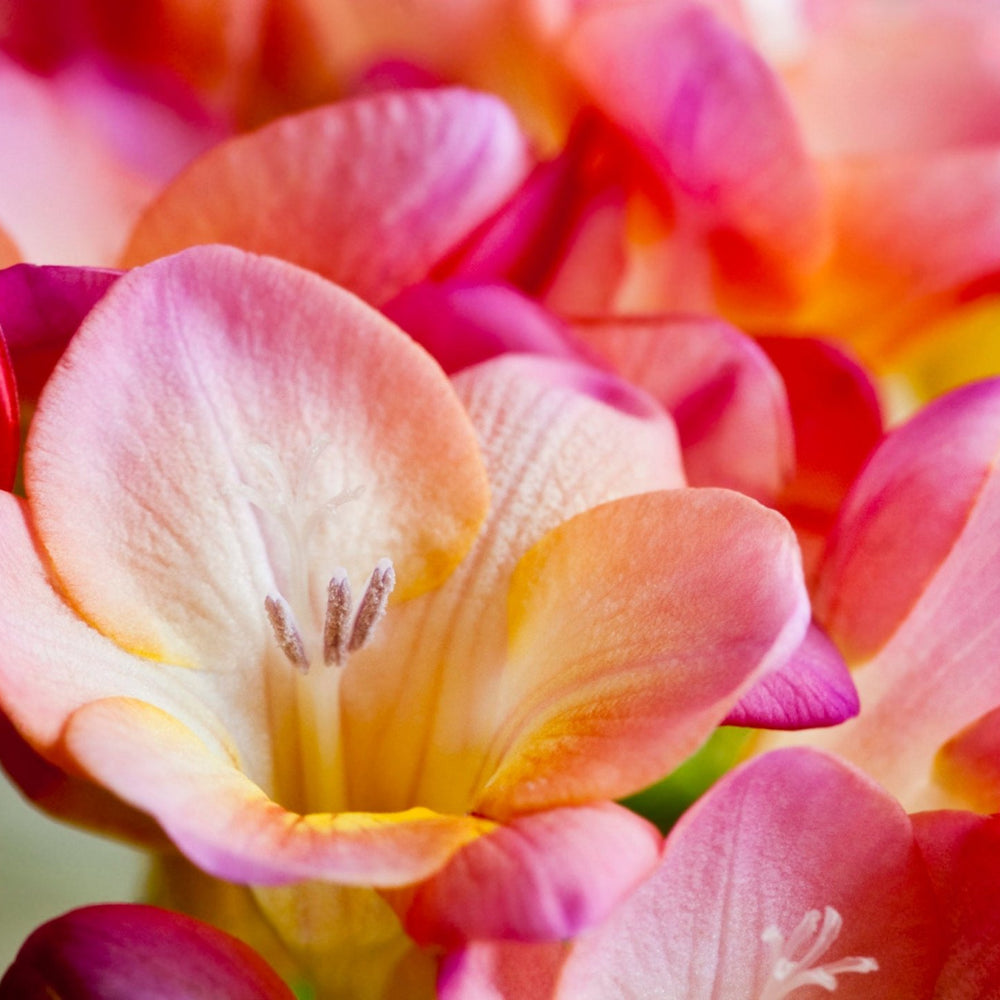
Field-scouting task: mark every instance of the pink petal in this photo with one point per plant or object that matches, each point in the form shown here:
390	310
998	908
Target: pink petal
813	688
541	877
383	188
910	583
709	116
40	310
837	423
917	498
561	236
162	391
462	323
872	79
124	951
634	629
228	826
10	420
58	215
501	971
963	856
725	396
788	833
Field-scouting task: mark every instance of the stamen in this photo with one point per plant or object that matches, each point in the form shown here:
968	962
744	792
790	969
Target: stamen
286	632
373	603
789	972
338	614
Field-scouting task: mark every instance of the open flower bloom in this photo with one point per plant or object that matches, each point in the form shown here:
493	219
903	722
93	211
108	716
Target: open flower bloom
120	951
325	615
794	872
907	589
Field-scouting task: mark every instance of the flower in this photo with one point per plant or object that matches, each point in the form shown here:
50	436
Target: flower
325	616
795	870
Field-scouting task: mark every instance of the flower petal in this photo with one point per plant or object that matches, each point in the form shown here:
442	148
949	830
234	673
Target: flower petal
462	323
54	214
383	187
501	971
10	420
162	392
542	877
41	308
905	516
226	825
963	856
557	438
9	253
970	763
709	115
911	582
71	798
53	662
122	951
813	688
725	396
788	833
837	423
634	629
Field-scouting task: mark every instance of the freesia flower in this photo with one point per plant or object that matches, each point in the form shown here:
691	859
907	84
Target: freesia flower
907	589
793	872
119	952
329	618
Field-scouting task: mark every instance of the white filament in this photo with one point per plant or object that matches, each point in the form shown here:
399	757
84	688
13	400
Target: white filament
793	961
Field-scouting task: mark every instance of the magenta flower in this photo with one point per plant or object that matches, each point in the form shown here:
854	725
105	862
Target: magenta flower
120	952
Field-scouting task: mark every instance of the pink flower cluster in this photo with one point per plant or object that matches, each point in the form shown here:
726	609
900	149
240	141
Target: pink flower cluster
424	426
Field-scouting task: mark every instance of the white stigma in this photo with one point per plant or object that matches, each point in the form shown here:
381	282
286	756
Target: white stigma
793	961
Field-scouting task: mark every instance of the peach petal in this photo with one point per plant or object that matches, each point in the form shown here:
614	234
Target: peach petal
384	187
225	824
634	629
557	438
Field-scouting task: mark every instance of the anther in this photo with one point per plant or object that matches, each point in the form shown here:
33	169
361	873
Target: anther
793	961
373	603
286	632
338	616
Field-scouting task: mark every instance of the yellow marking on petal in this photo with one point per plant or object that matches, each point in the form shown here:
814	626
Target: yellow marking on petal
470	828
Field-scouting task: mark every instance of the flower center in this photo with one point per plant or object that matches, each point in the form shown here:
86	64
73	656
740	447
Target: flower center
340	635
793	961
287	498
